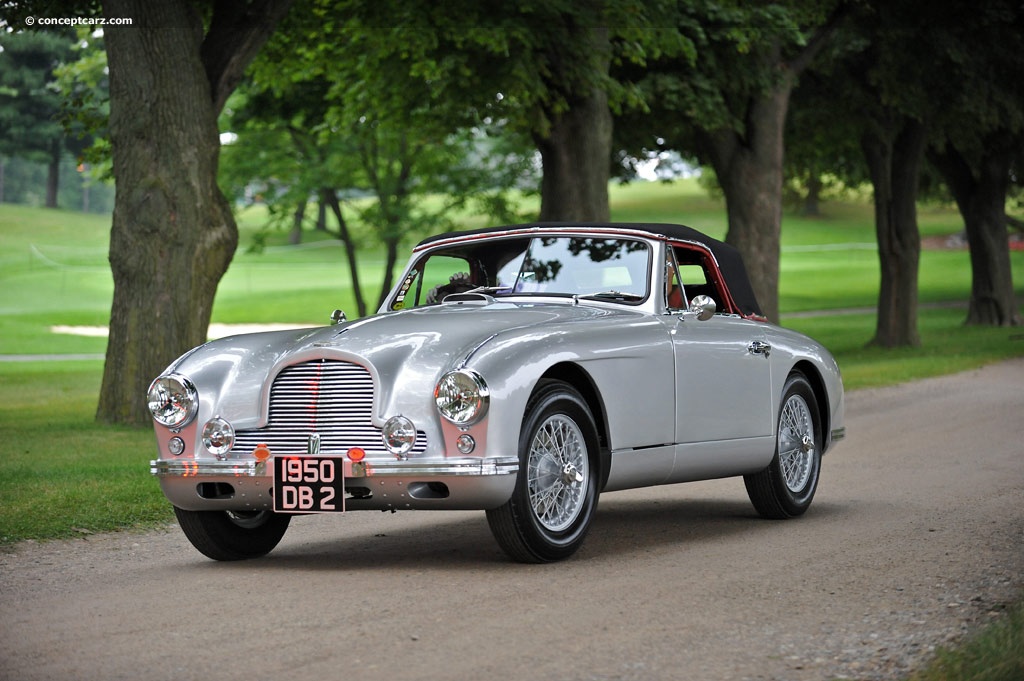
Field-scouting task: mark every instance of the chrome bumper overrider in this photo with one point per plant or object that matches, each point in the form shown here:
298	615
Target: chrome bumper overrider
190	468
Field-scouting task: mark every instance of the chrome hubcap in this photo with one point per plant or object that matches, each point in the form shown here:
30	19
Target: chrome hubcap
796	443
557	472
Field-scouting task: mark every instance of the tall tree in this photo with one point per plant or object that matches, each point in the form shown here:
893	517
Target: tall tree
982	142
281	145
888	87
729	107
894	149
411	79
542	67
173	234
393	123
30	102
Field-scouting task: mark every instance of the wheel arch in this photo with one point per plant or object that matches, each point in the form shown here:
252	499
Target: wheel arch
813	376
574	375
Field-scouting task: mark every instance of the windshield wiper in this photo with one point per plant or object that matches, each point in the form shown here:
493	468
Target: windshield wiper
489	289
612	295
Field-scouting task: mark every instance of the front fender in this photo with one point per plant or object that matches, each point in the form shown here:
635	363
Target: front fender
629	364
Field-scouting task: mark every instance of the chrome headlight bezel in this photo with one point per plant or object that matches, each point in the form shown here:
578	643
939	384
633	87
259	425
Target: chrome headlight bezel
173	400
462	397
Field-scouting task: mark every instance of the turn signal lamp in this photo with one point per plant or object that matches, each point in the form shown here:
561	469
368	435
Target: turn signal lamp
356	454
262	452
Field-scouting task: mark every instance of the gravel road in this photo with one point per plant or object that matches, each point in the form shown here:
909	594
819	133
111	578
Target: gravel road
916	537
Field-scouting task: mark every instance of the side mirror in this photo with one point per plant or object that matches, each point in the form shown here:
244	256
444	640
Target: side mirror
703	306
337	317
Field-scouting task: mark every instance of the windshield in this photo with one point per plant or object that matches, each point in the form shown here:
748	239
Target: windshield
609	269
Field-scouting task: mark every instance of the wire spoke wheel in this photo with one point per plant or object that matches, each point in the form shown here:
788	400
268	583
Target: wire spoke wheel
555	497
796	443
786	487
556	473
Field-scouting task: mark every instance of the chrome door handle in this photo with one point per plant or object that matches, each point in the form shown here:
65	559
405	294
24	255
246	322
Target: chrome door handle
759	348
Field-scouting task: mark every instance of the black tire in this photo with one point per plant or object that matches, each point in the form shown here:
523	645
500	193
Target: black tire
786	487
555	497
233	535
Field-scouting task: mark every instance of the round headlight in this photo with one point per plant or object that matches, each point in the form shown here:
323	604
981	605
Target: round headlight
399	435
462	397
173	400
218	436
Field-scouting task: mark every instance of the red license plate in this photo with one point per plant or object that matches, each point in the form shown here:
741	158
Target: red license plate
309	484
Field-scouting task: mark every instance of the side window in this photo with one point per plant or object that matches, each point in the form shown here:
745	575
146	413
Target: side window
692	275
696	276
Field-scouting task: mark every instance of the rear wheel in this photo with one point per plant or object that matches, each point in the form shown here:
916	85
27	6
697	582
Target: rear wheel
786	487
233	535
555	497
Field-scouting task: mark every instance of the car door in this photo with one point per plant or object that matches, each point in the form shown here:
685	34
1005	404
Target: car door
723	379
723	387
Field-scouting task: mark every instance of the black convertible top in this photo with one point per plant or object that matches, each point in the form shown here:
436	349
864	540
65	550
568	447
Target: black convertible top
730	263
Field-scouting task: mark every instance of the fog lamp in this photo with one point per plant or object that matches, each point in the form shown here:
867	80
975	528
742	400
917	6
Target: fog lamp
218	436
399	435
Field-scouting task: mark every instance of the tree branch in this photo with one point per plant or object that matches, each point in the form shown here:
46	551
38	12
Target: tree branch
820	38
238	30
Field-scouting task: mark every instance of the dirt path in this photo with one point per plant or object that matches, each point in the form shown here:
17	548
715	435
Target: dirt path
916	536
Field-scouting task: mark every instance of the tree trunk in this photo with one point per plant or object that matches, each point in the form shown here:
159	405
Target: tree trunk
576	150
576	160
812	202
295	236
329	198
980	194
749	169
391	259
53	174
894	153
173	234
321	217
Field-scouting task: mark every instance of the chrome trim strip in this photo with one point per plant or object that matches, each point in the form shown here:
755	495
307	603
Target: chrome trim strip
190	468
533	229
499	465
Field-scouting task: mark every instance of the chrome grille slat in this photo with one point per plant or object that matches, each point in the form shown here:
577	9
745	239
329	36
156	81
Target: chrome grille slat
329	397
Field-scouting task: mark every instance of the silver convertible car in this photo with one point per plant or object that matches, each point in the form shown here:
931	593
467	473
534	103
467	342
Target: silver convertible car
521	370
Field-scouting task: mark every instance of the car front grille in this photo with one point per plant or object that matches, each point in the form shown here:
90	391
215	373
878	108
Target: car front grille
331	398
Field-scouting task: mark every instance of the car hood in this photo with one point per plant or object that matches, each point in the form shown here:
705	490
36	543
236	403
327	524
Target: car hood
405	351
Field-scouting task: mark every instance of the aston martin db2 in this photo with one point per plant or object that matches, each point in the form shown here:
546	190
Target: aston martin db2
521	370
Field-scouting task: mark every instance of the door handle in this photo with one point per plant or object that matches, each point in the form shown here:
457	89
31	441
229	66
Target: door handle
759	348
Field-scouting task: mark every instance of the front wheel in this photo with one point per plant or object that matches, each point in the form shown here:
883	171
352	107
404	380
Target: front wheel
555	497
785	488
233	535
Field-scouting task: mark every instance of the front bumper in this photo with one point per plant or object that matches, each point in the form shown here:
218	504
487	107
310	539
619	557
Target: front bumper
462	483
